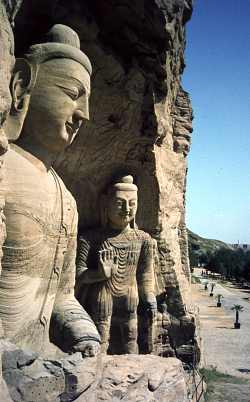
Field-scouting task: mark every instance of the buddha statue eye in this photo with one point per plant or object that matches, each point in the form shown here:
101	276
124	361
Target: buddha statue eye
73	93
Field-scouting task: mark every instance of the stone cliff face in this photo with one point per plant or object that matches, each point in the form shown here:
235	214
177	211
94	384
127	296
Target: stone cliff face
140	122
140	117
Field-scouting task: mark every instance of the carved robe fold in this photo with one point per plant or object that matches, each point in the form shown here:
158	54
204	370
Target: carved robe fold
37	282
133	280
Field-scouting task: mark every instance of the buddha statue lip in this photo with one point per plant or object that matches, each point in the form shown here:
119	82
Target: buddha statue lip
125	214
125	217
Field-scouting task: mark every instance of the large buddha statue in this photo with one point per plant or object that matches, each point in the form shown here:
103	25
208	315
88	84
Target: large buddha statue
115	269
50	89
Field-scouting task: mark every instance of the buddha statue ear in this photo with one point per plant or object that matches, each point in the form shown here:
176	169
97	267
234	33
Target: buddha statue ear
22	83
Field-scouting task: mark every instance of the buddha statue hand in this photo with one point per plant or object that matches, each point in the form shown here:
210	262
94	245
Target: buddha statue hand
108	263
87	348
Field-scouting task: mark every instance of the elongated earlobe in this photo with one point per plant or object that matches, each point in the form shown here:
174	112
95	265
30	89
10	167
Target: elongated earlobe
22	83
18	94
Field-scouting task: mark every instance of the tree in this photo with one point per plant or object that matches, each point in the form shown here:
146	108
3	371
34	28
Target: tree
205	258
212	288
237	308
219	297
246	271
193	258
229	263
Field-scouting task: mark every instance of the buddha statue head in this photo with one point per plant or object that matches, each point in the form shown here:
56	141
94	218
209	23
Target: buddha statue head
119	204
50	90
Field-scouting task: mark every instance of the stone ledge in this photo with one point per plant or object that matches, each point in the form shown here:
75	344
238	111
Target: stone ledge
104	378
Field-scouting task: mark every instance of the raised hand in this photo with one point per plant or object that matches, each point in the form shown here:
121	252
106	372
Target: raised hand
108	262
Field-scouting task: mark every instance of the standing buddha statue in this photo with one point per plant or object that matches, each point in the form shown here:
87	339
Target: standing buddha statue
115	269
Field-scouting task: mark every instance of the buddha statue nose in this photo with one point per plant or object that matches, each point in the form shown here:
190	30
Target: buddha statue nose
78	116
126	206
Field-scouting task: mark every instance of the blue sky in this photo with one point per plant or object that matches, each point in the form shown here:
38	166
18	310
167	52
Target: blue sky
217	77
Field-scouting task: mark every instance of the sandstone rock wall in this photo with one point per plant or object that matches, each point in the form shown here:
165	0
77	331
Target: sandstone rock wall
140	117
140	123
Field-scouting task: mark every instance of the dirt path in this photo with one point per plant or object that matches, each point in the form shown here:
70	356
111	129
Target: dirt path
225	348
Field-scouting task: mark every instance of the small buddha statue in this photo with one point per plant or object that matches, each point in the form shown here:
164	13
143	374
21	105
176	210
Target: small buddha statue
115	268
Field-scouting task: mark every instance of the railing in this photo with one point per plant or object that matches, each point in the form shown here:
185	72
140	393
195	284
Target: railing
198	391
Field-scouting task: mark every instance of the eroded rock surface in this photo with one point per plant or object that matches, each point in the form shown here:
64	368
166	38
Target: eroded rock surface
137	110
105	378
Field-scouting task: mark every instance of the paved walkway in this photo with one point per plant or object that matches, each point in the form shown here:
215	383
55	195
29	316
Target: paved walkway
224	347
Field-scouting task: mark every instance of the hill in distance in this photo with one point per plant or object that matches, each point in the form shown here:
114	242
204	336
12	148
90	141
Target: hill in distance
201	245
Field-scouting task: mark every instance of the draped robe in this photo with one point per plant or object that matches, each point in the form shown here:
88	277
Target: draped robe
37	302
134	279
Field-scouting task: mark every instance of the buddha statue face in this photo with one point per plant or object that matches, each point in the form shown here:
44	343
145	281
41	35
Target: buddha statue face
121	208
50	89
61	94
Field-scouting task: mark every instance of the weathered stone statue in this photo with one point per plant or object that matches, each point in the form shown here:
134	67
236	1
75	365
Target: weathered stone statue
7	61
117	263
50	89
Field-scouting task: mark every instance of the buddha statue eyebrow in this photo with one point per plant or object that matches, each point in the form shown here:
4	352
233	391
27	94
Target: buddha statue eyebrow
67	81
80	85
